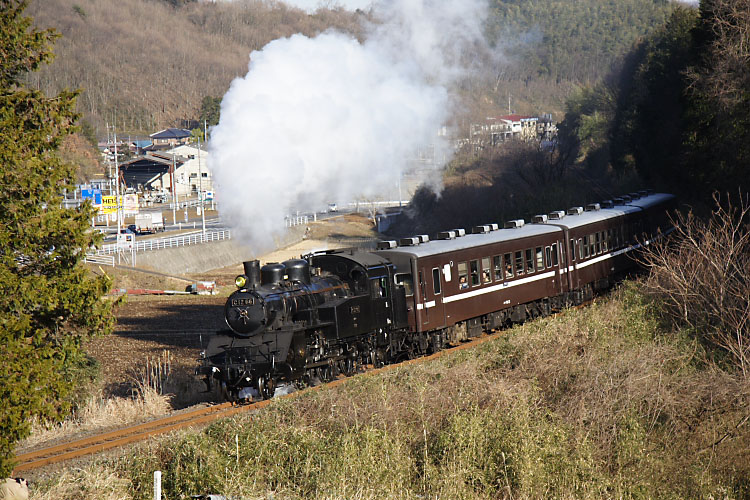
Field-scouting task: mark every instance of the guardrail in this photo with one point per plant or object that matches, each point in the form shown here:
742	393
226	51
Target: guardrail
298	220
102	260
174	242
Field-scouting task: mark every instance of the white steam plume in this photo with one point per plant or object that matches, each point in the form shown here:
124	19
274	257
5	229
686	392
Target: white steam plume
332	119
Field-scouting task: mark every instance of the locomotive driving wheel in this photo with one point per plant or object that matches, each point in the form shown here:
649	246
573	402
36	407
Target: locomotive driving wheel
266	387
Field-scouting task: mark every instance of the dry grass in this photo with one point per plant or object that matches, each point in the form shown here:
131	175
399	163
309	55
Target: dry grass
99	483
596	403
150	397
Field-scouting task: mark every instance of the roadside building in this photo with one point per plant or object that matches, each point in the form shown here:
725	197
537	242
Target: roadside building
169	138
154	171
496	130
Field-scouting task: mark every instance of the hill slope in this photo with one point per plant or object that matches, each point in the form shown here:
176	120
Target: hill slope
145	64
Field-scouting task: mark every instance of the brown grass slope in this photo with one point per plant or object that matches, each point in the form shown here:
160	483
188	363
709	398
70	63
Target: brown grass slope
596	403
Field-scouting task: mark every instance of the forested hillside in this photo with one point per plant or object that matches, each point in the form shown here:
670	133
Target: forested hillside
147	64
677	113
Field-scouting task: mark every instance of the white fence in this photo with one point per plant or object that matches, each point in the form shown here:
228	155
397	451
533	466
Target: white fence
174	242
102	260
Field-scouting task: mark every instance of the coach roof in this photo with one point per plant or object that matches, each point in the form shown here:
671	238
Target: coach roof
436	247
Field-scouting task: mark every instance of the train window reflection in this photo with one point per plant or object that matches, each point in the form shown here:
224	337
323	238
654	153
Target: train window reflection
519	262
508	266
463	275
474	272
555	258
529	261
406	281
498	265
486	271
539	258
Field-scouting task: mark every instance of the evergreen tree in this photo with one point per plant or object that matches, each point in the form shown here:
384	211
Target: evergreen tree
49	303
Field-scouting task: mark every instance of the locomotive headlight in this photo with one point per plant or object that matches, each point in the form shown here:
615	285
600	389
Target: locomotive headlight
240	281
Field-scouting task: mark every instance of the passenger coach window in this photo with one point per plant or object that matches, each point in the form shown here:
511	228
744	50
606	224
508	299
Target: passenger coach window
539	258
554	255
474	272
572	249
498	267
598	242
486	270
548	255
529	261
508	266
436	280
463	275
406	281
519	263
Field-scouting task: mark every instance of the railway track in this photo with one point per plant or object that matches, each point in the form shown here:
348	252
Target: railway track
128	435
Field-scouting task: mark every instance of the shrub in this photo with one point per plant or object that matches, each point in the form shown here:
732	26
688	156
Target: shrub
701	274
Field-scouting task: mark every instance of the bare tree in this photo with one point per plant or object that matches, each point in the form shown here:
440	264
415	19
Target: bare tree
702	275
728	58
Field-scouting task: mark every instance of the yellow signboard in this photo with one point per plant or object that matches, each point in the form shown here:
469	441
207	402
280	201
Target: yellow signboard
129	203
109	205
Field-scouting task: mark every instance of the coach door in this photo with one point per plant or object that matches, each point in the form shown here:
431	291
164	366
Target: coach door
431	304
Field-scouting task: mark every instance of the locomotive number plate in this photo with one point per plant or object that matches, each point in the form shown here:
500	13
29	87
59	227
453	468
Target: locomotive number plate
354	309
242	302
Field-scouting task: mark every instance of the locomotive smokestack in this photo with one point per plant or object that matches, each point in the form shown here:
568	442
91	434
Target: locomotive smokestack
252	271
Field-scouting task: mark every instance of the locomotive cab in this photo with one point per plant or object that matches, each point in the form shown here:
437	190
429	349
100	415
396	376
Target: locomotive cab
374	304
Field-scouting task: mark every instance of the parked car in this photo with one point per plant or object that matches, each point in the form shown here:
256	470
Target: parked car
332	207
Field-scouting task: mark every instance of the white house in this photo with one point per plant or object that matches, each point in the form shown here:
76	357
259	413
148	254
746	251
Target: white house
193	174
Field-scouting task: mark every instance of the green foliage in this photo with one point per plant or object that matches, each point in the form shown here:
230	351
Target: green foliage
50	303
679	107
577	41
210	110
79	10
88	131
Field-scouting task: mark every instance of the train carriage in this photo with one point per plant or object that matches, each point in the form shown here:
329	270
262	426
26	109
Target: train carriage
463	276
333	311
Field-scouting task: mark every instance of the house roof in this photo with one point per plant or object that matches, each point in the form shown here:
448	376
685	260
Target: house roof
515	118
144	169
171	133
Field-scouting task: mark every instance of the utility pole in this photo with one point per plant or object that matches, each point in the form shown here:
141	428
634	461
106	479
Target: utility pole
200	189
117	194
171	182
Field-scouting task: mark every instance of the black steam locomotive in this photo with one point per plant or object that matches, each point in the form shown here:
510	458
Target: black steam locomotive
309	320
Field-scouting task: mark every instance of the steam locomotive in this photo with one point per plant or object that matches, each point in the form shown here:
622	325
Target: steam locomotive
305	321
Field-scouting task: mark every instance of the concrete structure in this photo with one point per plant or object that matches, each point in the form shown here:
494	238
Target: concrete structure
496	130
154	171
